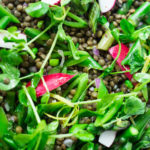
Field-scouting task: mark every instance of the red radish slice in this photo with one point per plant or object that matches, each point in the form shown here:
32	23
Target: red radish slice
53	81
106	5
52	2
124	51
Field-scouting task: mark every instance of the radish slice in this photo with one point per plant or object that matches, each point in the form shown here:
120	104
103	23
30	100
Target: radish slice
52	81
106	5
107	138
124	51
52	2
10	45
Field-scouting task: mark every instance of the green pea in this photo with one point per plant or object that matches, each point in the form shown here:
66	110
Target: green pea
54	62
129	84
34	50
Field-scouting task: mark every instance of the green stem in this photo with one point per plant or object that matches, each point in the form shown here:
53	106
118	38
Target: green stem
44	83
26	77
119	72
50	51
59	136
32	104
30	51
117	54
62	99
87	102
73	16
34	39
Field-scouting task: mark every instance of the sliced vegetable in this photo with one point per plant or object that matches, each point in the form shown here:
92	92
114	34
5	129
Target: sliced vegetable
93	16
3	123
107	138
106	41
142	11
53	81
52	2
32	33
124	51
125	7
6	12
135	57
9	44
136	130
106	5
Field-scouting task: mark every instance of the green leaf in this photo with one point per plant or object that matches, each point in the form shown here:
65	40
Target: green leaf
65	2
10	57
35	80
3	122
45	98
37	9
142	77
22	139
115	33
88	146
93	16
12	84
92	129
49	108
134	106
134	58
106	102
126	26
10	70
22	98
12	29
84	136
144	142
75	128
32	93
102	90
52	127
145	93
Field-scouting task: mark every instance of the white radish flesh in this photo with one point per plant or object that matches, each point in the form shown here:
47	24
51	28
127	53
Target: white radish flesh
106	5
107	138
52	2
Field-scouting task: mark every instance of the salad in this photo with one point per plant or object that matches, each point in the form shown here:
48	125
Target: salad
74	74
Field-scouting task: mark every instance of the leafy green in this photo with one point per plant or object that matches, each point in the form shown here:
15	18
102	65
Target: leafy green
134	58
126	26
93	16
45	98
144	142
37	9
88	146
134	106
80	133
12	84
3	123
10	57
81	6
142	77
65	2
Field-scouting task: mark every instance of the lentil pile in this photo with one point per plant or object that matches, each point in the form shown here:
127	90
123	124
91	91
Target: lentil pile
84	39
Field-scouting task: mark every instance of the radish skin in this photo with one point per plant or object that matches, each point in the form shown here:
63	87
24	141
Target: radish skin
124	51
52	2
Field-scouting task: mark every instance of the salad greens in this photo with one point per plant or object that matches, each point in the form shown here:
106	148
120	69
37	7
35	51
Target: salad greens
42	112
